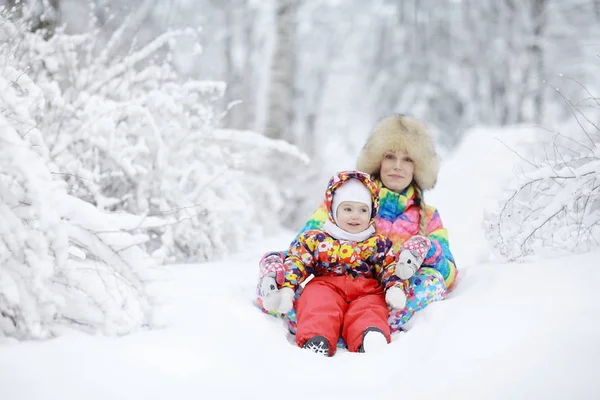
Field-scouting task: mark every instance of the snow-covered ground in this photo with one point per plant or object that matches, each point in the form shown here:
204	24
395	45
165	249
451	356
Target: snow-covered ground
508	331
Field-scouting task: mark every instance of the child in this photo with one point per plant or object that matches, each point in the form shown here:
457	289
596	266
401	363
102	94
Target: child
352	266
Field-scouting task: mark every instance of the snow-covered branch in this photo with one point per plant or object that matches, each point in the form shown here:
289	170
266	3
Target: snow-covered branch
554	203
94	181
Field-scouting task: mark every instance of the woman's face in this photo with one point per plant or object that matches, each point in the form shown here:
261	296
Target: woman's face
396	170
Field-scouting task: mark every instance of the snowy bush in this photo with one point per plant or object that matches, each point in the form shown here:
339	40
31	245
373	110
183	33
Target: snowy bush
102	158
129	135
554	203
33	240
63	262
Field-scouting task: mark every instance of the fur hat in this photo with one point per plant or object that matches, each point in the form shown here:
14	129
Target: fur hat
400	132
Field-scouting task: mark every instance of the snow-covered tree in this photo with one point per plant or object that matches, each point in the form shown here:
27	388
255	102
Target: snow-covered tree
33	239
128	134
555	201
62	261
40	14
107	157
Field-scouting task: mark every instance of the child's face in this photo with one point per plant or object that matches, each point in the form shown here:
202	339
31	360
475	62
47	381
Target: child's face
353	217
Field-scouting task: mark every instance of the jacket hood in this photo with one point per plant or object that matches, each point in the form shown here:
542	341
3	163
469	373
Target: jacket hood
338	180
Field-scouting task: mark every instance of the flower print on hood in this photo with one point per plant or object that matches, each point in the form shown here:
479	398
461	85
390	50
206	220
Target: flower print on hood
352	186
339	179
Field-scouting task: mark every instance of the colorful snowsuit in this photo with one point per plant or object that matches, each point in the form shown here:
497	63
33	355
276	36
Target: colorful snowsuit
346	294
348	289
398	219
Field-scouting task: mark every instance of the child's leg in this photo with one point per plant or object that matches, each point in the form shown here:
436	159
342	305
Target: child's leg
320	310
367	311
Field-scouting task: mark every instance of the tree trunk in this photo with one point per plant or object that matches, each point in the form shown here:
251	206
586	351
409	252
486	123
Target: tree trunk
538	17
283	67
250	82
229	49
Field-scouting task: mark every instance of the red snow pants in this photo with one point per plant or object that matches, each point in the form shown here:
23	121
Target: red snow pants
334	305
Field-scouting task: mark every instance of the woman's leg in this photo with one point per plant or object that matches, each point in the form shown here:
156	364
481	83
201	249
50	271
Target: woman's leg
320	312
423	288
367	311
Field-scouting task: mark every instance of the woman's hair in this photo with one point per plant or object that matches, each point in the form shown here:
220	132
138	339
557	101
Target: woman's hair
420	201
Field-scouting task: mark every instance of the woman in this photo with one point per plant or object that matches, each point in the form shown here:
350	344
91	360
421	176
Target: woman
401	158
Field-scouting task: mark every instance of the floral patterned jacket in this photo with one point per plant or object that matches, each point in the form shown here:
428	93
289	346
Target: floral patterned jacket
318	253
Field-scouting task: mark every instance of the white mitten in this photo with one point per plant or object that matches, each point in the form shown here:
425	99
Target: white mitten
395	298
408	263
271	296
287	300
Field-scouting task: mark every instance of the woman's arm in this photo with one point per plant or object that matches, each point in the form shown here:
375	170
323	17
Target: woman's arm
439	255
316	221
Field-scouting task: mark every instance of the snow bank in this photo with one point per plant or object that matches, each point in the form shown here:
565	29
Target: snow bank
472	180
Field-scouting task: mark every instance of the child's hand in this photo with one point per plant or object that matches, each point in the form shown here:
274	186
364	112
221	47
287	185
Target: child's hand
287	300
271	297
395	298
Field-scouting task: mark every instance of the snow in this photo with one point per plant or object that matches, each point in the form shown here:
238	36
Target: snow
470	181
508	331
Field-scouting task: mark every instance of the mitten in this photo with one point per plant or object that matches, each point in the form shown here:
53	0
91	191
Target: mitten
411	256
395	298
287	300
272	264
270	295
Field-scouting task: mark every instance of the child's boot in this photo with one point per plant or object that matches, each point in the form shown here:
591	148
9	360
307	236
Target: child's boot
373	341
317	344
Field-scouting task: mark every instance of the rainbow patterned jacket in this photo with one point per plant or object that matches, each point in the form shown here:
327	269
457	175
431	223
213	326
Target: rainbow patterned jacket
317	252
398	220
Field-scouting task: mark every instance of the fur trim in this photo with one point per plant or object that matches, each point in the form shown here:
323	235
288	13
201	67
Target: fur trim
400	132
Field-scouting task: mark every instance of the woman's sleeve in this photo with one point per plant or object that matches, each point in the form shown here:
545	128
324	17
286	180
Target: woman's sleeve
439	256
316	221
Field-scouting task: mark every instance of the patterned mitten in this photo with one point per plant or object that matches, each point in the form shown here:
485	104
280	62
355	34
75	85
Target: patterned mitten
272	265
287	300
271	273
395	298
411	256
